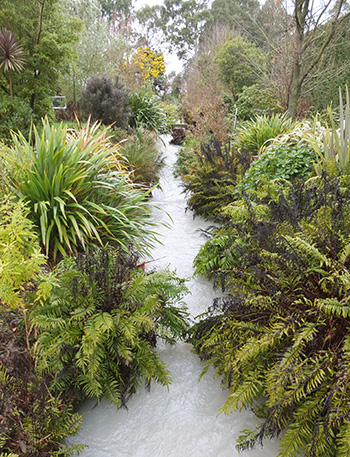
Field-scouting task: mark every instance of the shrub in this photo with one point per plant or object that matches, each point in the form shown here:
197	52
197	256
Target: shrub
143	157
76	193
99	329
255	101
106	102
147	112
239	64
171	115
33	421
252	135
15	115
278	162
20	257
281	335
211	176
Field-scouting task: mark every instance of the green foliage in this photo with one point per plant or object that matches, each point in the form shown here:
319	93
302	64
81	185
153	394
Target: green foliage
253	134
143	158
211	176
255	101
235	15
15	115
20	257
278	162
171	115
33	421
77	194
47	36
147	112
99	329
106	102
333	148
281	334
240	64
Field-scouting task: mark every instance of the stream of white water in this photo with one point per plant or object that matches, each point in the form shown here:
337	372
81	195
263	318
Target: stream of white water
181	421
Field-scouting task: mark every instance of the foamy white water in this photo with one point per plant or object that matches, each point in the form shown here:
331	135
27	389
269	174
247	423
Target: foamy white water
181	421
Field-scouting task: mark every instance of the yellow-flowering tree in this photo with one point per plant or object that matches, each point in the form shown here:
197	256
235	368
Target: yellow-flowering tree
145	66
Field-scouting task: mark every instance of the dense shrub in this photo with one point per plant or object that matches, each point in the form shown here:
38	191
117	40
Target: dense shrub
211	175
106	101
99	329
278	162
240	63
281	335
253	101
15	115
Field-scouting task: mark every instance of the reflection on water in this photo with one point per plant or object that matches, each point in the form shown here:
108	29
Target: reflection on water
181	421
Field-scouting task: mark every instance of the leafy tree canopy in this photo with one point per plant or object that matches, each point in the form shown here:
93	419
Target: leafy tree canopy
240	64
46	35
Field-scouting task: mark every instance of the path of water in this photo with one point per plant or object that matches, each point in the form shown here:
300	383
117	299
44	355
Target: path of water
182	421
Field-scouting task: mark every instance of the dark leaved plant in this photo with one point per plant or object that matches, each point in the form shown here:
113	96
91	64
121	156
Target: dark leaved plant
280	339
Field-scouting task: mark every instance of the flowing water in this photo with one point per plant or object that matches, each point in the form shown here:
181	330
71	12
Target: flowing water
181	421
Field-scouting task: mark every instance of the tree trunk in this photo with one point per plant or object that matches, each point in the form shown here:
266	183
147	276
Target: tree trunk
295	90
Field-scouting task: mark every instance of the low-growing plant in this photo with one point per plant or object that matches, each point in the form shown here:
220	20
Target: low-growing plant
281	334
98	331
253	135
76	192
278	161
33	421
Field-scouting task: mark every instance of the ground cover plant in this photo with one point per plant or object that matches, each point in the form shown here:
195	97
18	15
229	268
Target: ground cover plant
281	334
278	161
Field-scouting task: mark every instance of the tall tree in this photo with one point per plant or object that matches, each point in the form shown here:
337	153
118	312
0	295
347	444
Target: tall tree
181	23
239	15
46	36
311	38
99	51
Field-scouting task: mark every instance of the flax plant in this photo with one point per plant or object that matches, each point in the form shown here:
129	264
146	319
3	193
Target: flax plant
76	191
333	148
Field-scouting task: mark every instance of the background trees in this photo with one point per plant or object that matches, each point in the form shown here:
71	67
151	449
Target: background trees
47	35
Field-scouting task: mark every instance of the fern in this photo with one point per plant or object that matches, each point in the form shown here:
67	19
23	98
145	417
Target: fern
281	335
99	328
